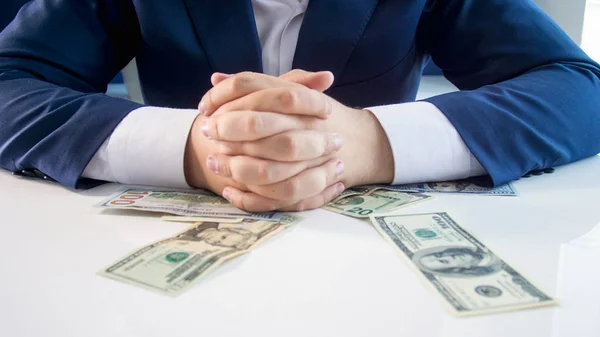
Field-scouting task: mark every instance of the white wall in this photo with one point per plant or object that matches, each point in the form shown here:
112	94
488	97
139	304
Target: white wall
567	13
591	30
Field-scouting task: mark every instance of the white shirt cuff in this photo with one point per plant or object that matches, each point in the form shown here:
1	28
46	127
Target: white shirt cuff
425	145
146	148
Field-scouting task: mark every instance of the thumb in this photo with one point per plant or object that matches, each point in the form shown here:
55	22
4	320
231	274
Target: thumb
217	78
319	81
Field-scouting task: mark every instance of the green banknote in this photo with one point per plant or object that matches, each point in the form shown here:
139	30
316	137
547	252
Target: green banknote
460	187
354	191
197	203
463	271
173	265
375	201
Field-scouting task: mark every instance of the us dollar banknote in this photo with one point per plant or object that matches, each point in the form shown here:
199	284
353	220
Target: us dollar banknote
463	271
460	186
172	266
197	203
375	201
354	191
178	218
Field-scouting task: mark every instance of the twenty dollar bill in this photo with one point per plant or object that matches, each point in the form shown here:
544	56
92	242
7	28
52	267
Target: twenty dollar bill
376	201
462	270
173	265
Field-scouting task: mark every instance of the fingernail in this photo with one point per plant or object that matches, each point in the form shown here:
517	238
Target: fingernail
227	194
205	129
339	188
212	164
339	168
336	140
202	108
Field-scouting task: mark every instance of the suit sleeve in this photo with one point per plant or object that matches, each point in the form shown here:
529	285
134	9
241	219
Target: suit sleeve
56	59
530	97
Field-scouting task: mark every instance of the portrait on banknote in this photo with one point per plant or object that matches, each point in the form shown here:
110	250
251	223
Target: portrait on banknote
449	186
239	236
352	200
457	261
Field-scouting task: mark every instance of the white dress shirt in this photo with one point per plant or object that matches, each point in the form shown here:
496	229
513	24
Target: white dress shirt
148	146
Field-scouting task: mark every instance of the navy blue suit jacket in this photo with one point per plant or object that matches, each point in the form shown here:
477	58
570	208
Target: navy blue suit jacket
529	99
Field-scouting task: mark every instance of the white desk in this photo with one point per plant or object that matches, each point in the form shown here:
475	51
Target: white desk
328	276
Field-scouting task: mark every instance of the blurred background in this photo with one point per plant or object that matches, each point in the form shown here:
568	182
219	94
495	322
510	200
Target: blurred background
579	18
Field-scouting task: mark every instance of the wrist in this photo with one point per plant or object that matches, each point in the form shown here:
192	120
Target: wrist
371	151
383	154
194	156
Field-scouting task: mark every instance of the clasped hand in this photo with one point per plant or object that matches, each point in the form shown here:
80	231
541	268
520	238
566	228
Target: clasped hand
279	143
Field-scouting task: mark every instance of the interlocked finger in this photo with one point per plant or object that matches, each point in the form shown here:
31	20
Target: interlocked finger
293	145
252	171
306	184
251	125
286	100
252	202
317	201
319	81
236	86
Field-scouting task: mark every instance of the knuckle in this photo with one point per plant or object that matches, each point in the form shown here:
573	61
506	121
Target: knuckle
327	105
292	75
253	123
287	98
207	101
316	148
324	145
241	81
296	72
290	146
311	123
321	104
320	149
235	169
246	74
220	126
292	188
263	171
226	167
246	205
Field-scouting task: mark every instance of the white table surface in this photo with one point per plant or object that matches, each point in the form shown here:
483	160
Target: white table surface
329	275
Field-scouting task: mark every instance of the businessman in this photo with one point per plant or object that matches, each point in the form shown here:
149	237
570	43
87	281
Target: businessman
281	104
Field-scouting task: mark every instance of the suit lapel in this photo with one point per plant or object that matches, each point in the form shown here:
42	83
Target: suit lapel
330	31
227	31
